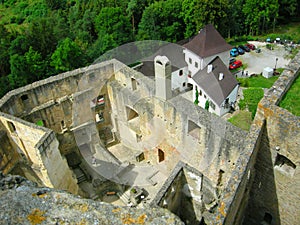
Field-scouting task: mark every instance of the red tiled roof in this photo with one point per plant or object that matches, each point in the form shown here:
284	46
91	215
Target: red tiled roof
208	42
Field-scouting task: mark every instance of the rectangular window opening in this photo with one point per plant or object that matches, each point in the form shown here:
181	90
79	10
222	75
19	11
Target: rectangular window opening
24	97
134	84
194	130
212	105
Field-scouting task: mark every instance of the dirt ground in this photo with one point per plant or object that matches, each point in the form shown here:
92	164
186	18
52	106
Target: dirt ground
256	62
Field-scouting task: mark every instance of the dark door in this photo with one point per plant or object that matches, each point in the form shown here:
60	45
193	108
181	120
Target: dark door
161	155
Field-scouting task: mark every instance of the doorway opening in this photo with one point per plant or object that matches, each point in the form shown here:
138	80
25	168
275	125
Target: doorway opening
161	155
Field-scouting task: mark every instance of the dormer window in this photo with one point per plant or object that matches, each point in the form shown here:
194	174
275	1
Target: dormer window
180	72
190	61
196	64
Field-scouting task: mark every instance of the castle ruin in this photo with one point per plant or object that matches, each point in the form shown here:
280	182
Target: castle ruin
132	137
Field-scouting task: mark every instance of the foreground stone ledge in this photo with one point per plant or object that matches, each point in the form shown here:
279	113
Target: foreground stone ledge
23	203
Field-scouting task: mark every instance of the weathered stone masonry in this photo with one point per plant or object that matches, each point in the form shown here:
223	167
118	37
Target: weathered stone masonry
261	173
265	186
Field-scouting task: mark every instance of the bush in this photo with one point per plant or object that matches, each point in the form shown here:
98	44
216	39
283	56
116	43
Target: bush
244	82
242	104
270	46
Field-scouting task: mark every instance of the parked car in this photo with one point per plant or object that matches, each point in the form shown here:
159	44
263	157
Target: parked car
258	50
245	48
269	40
251	46
231	60
240	50
236	64
278	40
234	52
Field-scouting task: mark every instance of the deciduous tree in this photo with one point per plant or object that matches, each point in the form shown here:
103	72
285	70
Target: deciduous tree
67	56
112	21
162	21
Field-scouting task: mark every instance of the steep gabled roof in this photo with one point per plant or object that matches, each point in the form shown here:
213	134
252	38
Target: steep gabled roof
217	90
208	42
172	51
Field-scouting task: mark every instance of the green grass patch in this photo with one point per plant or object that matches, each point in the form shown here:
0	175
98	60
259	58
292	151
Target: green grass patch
257	81
242	119
40	123
279	70
252	96
291	100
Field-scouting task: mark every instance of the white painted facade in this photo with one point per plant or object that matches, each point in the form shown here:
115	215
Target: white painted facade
217	109
179	79
231	101
196	63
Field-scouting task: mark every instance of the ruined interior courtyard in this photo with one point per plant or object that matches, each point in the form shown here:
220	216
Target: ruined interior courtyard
110	133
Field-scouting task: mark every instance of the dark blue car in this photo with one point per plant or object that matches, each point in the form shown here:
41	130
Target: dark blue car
240	51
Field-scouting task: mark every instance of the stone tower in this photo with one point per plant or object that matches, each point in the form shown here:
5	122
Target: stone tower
162	67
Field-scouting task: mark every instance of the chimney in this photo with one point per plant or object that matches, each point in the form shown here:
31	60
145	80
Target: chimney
209	68
162	68
221	76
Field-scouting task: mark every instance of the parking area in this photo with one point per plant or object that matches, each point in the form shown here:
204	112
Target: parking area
256	62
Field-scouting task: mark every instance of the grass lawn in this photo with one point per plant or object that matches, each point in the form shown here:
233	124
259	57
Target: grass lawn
291	100
257	81
242	120
252	96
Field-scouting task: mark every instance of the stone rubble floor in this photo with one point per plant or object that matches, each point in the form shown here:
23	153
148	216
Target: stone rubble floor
133	173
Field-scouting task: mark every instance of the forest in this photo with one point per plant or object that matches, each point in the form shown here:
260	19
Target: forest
41	38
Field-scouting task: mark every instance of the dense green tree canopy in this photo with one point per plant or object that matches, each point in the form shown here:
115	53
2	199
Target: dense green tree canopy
67	56
260	14
162	21
199	13
112	21
40	38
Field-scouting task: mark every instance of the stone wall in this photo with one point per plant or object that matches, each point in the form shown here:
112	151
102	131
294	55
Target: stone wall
9	157
23	203
39	147
51	100
188	194
180	129
264	186
275	191
256	172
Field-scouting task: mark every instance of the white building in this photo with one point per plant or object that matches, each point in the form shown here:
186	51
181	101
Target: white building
204	47
214	87
207	56
201	64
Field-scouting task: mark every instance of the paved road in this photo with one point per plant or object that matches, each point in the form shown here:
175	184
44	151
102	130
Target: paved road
267	58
